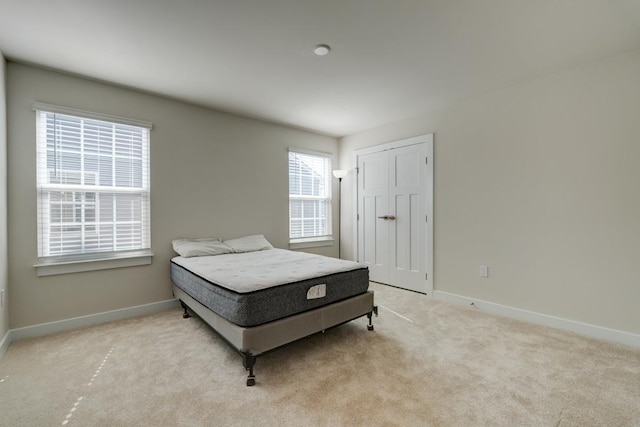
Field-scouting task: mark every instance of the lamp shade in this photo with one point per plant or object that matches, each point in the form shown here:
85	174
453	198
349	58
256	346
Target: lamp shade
340	173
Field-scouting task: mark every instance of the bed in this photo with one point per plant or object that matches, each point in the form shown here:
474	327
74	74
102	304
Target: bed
259	298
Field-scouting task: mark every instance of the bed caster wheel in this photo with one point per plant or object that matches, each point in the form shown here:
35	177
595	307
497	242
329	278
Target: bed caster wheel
251	381
369	327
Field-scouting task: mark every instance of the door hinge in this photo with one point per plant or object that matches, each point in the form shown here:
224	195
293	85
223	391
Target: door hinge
426	160
426	276
426	218
358	219
357	170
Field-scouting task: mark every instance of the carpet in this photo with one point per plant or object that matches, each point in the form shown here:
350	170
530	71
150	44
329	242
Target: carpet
427	363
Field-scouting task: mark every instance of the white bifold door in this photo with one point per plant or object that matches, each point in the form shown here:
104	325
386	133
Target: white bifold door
394	207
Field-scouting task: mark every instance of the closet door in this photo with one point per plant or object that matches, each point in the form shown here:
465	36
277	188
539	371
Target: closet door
394	200
373	203
407	221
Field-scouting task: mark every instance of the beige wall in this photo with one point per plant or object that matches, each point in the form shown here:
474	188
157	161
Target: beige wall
4	274
212	174
541	182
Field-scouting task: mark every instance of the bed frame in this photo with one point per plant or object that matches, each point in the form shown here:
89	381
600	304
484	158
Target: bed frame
250	342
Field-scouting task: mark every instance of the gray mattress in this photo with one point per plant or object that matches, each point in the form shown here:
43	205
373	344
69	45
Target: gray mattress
275	302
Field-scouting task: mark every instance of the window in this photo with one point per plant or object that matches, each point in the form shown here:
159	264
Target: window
309	196
92	186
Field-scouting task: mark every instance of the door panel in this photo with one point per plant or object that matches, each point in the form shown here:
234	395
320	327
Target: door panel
414	240
408	190
368	248
372	203
407	168
374	173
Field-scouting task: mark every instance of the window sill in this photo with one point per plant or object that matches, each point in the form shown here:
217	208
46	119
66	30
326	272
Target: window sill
65	265
310	243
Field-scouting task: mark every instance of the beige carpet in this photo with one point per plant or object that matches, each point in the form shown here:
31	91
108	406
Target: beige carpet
427	363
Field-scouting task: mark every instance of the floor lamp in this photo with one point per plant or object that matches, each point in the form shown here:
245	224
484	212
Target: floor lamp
340	173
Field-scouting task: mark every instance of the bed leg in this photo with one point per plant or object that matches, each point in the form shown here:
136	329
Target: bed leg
374	310
249	361
186	314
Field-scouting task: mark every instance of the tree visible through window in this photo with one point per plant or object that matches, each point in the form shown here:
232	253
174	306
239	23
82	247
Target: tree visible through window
93	185
309	195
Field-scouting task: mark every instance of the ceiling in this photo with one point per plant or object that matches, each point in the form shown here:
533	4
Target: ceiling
390	59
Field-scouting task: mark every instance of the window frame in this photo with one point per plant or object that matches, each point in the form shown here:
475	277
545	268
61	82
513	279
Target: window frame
320	240
89	261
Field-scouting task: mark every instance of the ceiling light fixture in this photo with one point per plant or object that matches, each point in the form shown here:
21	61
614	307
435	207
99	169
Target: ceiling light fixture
322	49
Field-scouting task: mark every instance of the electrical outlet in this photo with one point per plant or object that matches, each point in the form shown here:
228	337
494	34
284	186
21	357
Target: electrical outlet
484	271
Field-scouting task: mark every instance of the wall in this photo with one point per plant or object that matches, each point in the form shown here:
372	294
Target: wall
4	274
212	174
540	182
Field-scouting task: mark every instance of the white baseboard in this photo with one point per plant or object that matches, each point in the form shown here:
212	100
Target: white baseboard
589	330
85	321
4	344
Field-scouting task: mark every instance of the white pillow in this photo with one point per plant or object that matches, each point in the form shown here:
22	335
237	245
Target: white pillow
200	247
249	243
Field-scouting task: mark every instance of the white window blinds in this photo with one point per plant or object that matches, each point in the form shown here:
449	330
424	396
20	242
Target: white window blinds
92	185
309	195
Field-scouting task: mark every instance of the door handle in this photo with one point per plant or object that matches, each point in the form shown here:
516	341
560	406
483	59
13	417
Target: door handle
391	217
385	217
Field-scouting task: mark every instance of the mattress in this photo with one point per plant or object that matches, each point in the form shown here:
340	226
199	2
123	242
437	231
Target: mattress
250	289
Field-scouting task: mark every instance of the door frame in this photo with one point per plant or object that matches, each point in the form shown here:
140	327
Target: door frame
428	139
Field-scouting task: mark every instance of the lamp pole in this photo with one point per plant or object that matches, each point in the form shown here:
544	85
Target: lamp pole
339	216
339	173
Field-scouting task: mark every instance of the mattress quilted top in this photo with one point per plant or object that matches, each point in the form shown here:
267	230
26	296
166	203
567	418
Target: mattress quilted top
253	271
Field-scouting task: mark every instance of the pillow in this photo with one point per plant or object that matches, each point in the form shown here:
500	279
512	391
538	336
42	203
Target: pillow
200	247
249	243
